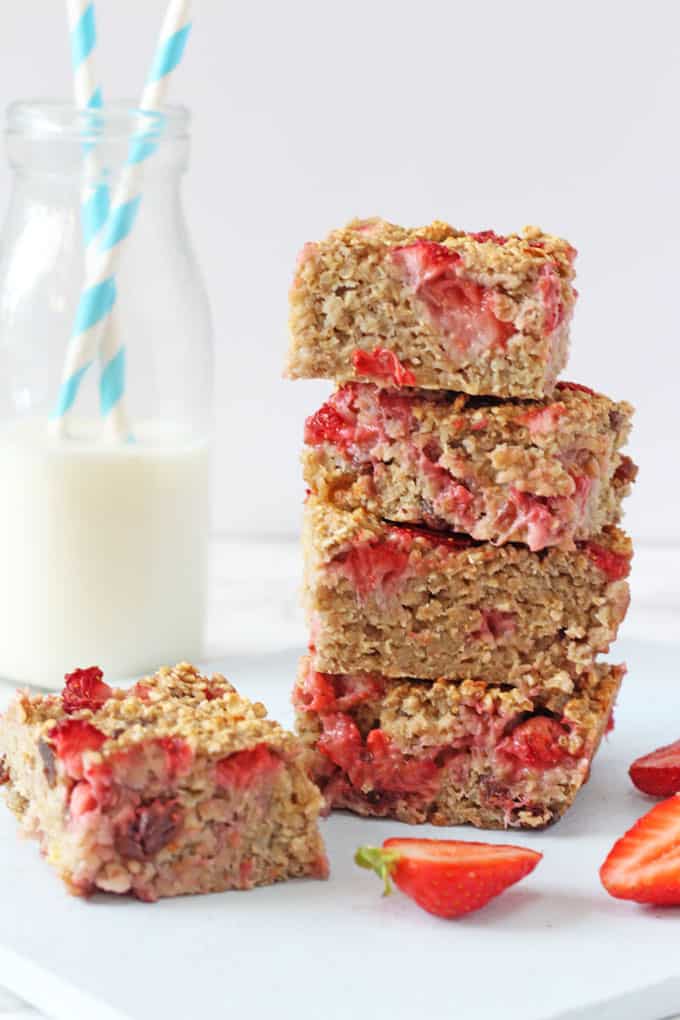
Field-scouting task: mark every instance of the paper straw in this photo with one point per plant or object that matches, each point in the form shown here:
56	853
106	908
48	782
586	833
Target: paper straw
96	198
99	295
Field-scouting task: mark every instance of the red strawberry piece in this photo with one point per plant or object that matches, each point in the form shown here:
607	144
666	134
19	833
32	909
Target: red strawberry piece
658	773
537	742
615	566
448	877
85	688
82	800
488	235
564	385
178	756
244	768
71	738
644	865
326	426
386	768
543	420
324	692
461	308
376	565
382	364
551	293
213	692
141	691
611	725
533	513
377	764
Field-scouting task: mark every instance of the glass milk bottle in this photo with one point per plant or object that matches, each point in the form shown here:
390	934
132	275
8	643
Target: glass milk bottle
103	540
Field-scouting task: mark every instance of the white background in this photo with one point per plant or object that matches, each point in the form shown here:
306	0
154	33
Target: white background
490	114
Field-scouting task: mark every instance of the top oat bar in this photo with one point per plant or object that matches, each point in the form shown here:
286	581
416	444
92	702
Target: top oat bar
433	307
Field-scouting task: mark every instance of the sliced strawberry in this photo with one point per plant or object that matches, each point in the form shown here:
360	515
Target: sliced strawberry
644	865
85	688
658	773
382	364
537	742
448	878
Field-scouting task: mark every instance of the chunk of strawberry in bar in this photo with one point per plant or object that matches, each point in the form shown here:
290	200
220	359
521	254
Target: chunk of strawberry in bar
461	308
538	742
382	364
85	688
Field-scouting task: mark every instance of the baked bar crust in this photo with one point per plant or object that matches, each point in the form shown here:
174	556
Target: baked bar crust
451	753
402	601
542	473
176	786
433	307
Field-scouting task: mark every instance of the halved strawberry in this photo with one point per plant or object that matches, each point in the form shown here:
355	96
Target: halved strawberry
658	773
644	865
448	877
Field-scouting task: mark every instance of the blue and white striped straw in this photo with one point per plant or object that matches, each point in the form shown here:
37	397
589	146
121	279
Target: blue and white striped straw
98	298
96	198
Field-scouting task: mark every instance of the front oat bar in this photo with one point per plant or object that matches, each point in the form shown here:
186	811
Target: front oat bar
176	786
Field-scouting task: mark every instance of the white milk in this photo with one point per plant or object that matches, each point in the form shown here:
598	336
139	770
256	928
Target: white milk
103	551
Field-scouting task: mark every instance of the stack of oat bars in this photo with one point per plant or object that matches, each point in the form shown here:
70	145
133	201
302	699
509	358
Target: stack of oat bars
463	567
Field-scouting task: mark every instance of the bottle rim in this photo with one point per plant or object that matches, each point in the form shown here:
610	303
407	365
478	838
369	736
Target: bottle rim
52	119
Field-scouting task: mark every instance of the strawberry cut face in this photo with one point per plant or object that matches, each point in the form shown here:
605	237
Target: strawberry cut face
658	773
460	308
644	865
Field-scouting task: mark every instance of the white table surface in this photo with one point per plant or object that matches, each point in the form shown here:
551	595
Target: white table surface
254	607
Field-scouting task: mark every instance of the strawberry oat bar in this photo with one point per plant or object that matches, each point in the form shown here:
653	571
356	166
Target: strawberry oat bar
450	752
176	786
403	601
433	307
501	471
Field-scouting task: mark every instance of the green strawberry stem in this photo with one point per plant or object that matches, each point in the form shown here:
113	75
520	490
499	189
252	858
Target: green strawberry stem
381	861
